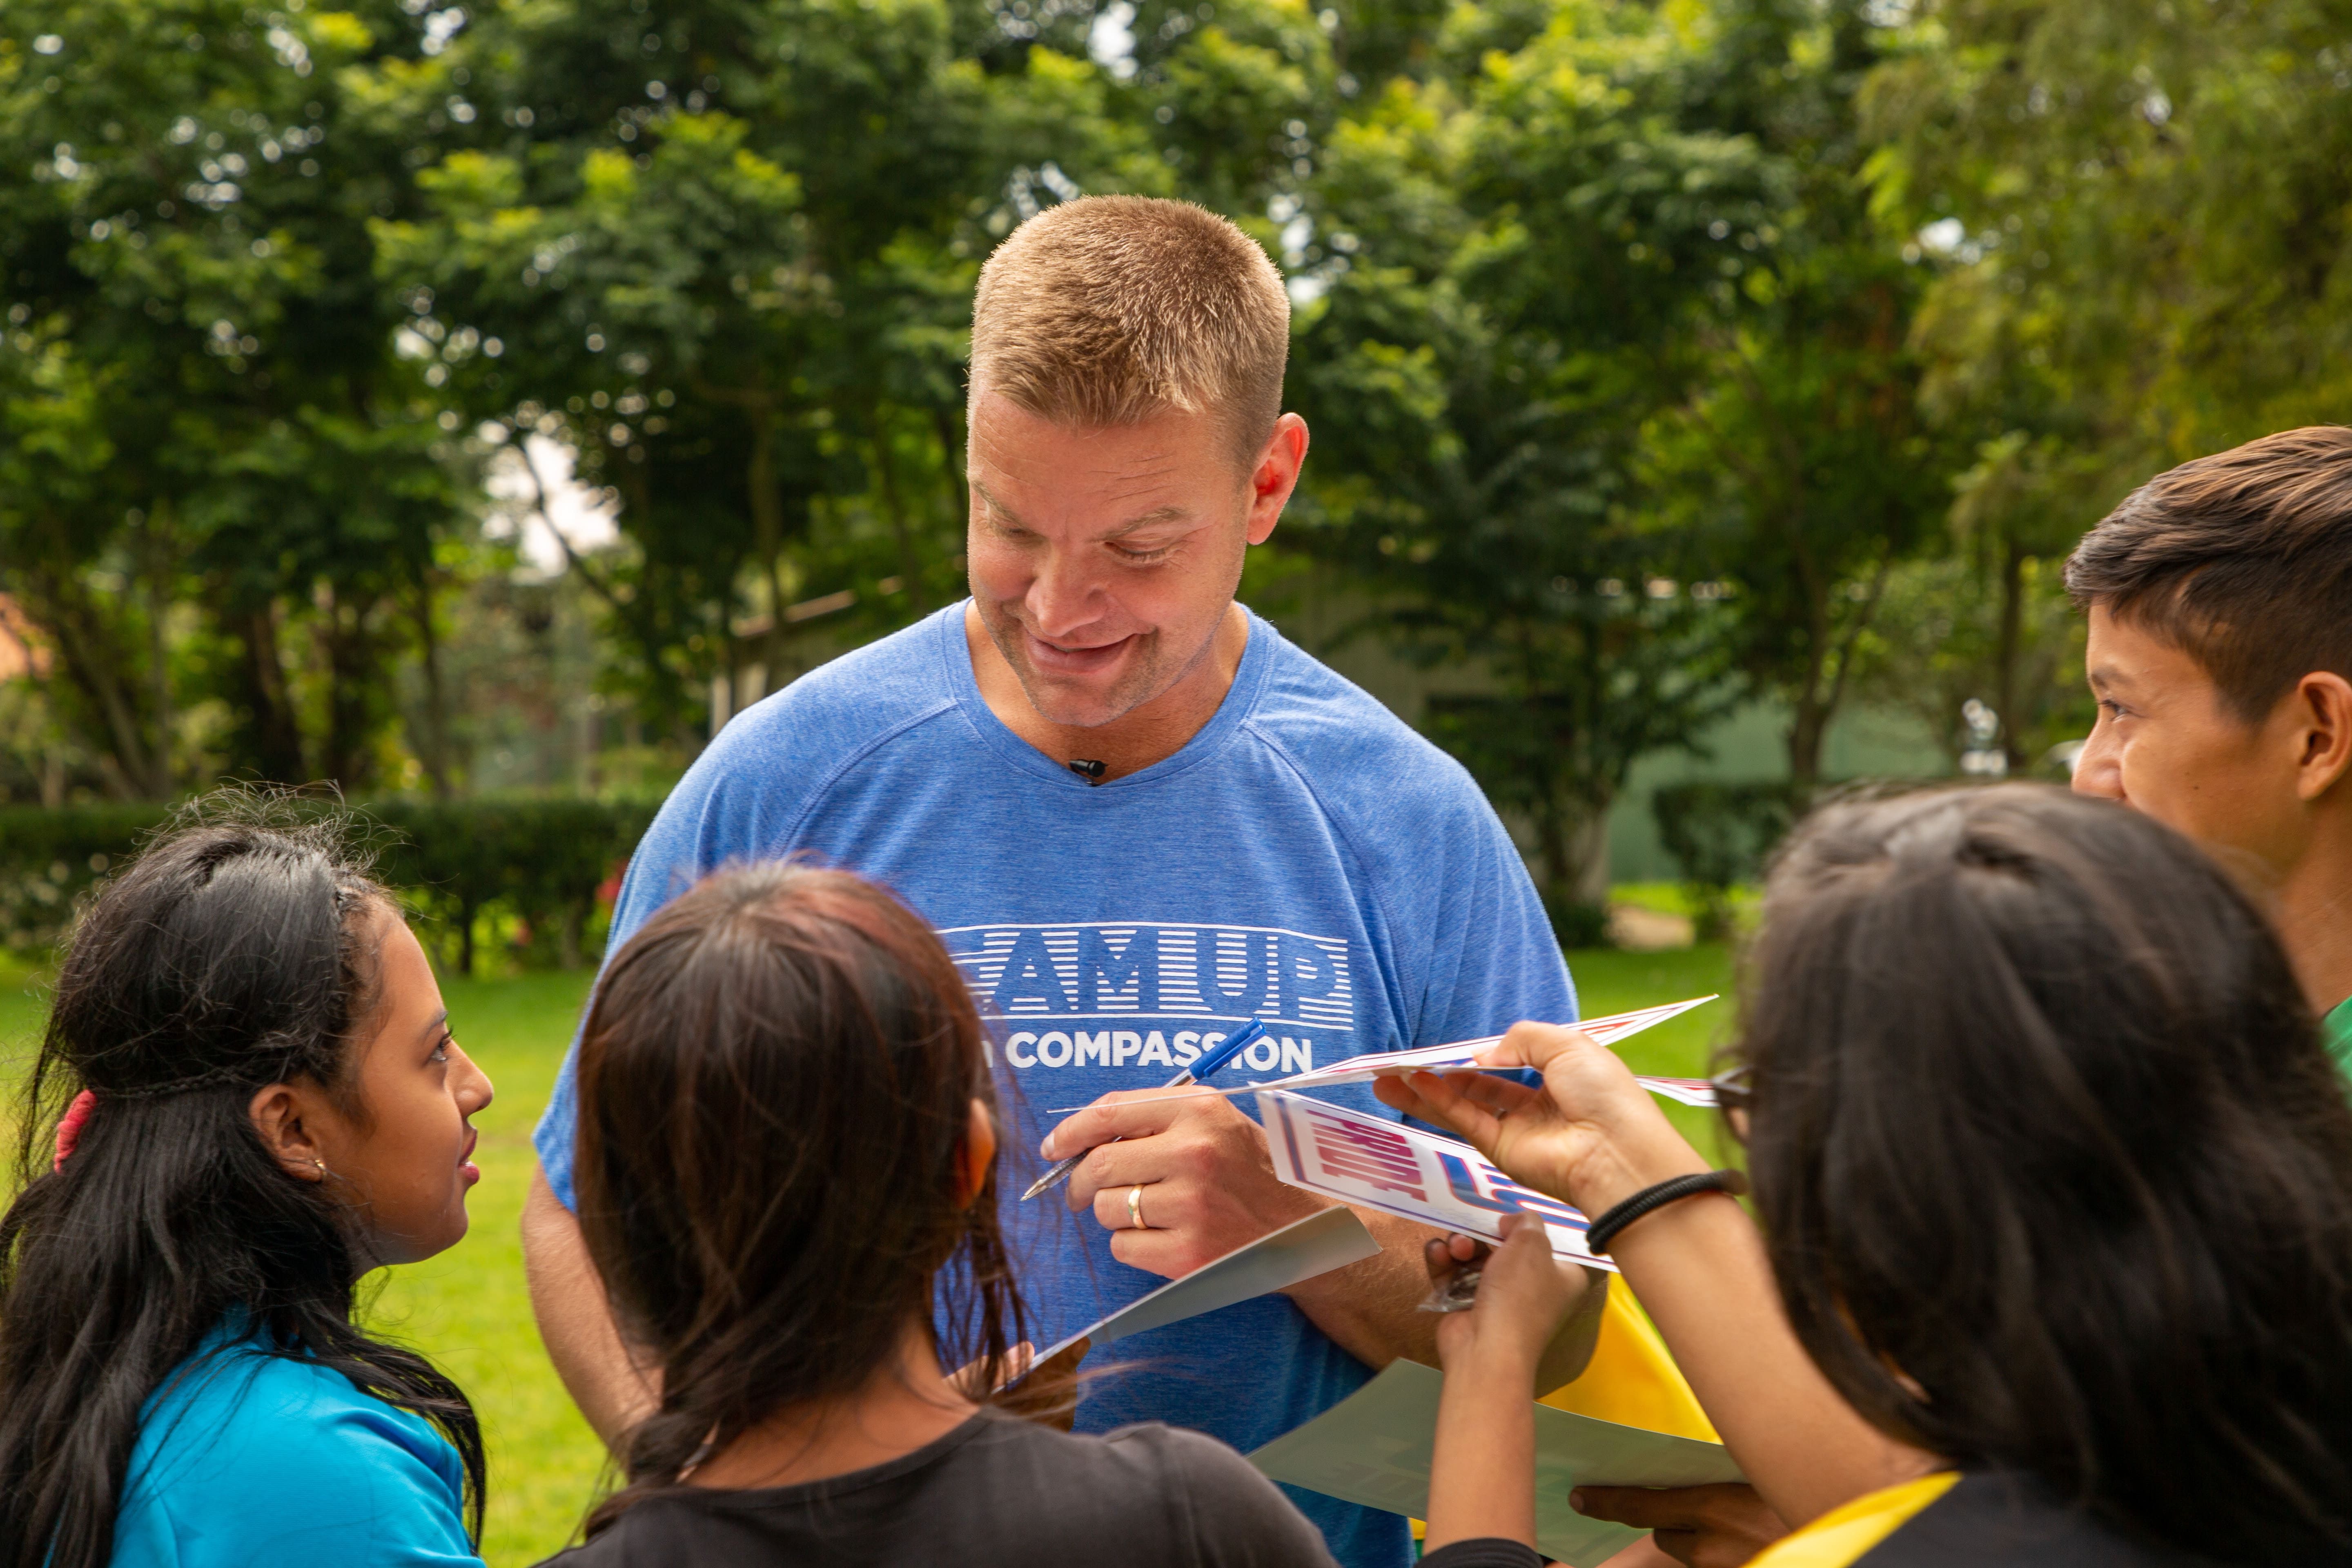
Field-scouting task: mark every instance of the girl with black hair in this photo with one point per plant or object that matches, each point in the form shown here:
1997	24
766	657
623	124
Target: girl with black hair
2054	1183
787	1164
257	1099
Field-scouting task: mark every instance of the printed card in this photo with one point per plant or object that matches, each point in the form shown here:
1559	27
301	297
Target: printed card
1379	1164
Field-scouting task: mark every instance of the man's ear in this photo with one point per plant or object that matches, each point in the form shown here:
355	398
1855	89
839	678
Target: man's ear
276	1113
978	1155
1274	475
2324	720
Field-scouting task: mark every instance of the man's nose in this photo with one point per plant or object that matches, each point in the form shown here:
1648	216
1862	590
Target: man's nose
1062	597
2098	769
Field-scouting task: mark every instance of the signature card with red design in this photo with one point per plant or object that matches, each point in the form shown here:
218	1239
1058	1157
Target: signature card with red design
1381	1164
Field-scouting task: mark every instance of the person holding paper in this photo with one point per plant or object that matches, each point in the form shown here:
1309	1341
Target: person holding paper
2219	596
2055	1183
1140	819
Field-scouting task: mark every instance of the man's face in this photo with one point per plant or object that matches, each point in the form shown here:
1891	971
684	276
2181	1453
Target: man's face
1103	560
2166	745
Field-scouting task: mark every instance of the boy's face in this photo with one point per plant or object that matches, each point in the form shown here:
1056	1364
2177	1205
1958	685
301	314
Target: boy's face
2167	744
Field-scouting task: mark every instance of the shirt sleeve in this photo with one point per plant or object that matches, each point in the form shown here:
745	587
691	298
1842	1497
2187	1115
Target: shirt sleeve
1495	960
669	859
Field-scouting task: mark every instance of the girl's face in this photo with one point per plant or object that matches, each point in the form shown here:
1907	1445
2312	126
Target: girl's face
402	1158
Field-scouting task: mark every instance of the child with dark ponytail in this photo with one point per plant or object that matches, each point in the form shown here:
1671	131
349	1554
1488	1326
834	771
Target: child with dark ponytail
248	1096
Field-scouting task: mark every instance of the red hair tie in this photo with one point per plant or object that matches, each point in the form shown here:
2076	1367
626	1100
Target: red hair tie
69	1128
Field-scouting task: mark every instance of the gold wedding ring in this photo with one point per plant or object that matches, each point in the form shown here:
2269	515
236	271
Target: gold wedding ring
1135	1208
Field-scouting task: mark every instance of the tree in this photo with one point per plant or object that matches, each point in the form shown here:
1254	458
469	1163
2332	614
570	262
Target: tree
2136	238
1799	458
1478	370
727	259
199	388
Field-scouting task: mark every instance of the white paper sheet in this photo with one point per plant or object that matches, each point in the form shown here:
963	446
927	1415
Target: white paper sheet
1374	1448
1460	1055
1316	1245
1377	1164
1696	1091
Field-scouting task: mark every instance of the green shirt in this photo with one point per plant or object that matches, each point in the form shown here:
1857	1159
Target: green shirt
2337	1030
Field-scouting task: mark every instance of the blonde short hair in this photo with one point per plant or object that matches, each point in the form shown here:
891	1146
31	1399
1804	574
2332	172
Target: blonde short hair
1109	309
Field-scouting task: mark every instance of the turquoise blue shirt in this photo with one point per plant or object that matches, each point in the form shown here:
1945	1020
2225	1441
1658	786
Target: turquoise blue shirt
245	1458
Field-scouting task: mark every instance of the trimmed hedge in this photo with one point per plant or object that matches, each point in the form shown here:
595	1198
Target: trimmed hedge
524	871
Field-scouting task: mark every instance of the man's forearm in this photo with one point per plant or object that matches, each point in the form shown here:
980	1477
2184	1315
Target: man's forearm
1371	1308
574	1320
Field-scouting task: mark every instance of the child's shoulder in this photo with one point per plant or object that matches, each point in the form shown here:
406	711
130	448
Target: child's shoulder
239	1444
1218	1501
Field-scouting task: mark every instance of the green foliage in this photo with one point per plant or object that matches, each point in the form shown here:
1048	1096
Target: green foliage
1659	357
198	405
539	863
2135	225
1720	834
1616	413
49	858
1952	628
526	869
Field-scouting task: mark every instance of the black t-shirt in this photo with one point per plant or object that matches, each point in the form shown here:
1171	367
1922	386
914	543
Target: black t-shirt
995	1490
1994	1517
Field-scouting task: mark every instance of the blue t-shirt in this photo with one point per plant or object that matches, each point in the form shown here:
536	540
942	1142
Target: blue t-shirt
245	1458
1305	859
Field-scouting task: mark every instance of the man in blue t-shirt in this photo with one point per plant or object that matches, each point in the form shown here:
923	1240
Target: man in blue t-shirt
1140	819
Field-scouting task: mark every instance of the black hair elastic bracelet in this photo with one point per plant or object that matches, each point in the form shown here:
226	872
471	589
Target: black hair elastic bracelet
1649	1200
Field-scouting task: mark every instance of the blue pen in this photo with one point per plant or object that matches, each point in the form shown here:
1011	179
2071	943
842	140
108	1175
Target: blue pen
1235	1044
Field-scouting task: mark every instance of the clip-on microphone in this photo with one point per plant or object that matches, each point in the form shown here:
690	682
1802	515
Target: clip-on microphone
1091	772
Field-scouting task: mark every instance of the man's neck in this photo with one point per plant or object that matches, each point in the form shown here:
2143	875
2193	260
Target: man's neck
1150	732
2315	913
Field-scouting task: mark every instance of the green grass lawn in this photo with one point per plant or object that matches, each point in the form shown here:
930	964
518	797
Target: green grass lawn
469	1310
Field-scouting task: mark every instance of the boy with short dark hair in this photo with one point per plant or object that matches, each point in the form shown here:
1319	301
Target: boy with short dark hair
2220	598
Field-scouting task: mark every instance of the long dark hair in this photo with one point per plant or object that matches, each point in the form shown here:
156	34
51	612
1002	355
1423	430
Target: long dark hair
776	1079
234	953
2055	1174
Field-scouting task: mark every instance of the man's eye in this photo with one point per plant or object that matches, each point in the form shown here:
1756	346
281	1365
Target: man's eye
1135	557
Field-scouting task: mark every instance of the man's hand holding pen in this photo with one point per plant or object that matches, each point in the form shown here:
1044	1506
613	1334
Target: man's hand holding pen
1192	1168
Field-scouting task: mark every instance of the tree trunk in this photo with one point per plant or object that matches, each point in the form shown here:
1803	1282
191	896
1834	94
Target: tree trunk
1590	848
159	566
1807	730
575	918
275	735
433	735
2005	648
767	538
350	673
99	664
909	570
